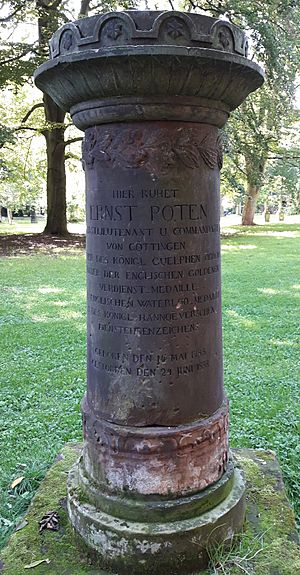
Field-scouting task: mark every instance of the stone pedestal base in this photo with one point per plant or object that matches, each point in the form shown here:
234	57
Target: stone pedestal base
170	536
269	540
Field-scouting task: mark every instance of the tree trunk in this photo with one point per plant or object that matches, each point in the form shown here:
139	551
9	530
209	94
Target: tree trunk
250	205
48	22
56	173
9	216
298	199
84	8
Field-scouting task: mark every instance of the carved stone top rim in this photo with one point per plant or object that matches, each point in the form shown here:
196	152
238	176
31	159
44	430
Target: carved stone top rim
148	53
134	27
143	50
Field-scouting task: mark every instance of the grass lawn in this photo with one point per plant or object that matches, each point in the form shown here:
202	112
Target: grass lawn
42	317
24	226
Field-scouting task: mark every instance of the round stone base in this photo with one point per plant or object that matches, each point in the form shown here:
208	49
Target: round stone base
145	548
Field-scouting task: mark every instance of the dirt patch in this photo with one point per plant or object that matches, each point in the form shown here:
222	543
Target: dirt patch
27	244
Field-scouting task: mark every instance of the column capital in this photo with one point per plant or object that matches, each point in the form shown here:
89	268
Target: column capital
136	66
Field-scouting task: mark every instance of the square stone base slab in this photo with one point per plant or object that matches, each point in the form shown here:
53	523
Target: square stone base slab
268	546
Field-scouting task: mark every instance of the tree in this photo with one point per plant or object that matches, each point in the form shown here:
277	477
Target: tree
18	61
22	178
281	185
17	68
22	174
257	127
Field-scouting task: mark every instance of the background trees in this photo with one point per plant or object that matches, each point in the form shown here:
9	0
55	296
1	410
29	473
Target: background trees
37	20
18	61
260	127
259	132
22	163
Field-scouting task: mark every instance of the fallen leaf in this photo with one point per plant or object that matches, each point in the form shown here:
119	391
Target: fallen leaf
50	521
36	563
17	482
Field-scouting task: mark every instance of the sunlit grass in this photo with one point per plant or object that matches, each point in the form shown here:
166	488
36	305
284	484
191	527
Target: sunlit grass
229	225
24	226
262	342
42	370
42	377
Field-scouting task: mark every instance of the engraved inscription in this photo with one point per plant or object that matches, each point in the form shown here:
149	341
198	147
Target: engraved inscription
153	269
148	295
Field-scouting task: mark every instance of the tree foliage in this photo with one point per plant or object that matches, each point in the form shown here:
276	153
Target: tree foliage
22	174
258	128
18	60
19	57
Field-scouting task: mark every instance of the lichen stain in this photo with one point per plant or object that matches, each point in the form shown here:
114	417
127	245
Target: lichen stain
110	543
147	547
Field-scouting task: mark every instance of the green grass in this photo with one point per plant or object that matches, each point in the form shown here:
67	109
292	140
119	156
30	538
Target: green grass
266	547
24	226
261	295
42	376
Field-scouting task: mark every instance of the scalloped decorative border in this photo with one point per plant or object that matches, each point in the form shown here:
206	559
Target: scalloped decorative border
222	36
144	441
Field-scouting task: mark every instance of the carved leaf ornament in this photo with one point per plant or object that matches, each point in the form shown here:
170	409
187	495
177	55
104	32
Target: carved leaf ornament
157	153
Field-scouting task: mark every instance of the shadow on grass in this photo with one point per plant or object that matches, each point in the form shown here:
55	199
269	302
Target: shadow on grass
28	244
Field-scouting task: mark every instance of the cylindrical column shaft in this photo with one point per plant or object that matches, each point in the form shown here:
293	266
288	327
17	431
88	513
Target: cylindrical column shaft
154	301
153	272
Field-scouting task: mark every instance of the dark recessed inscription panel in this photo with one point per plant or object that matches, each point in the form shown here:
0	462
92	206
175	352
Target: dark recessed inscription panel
153	270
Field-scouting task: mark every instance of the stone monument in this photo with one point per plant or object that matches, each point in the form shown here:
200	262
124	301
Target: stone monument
155	485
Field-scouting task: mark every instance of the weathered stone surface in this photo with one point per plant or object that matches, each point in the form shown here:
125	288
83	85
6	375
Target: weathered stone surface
177	547
156	460
136	28
269	527
153	273
151	90
154	508
131	65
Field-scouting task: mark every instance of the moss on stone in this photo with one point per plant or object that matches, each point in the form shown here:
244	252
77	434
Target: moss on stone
267	547
270	544
28	545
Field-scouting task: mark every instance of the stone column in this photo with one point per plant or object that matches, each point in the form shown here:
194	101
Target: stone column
155	484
